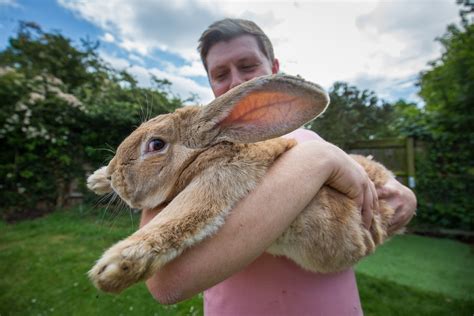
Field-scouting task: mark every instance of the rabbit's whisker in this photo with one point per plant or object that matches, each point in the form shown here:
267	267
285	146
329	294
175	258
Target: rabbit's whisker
112	199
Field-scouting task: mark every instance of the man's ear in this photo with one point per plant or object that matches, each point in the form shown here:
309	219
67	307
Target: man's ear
275	66
260	109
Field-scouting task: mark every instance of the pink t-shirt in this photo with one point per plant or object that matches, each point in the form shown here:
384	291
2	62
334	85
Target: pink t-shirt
277	286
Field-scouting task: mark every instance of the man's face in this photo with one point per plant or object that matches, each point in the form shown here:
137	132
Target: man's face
236	61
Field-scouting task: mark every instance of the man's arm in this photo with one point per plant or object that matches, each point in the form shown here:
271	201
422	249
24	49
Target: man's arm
398	196
257	220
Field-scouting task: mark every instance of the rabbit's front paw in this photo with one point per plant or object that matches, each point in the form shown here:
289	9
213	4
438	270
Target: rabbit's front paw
124	264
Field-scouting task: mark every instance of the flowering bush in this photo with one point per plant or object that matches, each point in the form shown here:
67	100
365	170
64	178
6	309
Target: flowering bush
57	114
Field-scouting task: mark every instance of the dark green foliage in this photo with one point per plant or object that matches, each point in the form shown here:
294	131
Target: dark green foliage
443	128
34	52
61	106
446	169
353	115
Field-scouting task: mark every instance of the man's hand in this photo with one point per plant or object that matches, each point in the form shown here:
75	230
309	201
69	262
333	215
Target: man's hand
401	199
350	178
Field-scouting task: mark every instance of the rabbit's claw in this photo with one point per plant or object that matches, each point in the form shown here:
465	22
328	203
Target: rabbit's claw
122	265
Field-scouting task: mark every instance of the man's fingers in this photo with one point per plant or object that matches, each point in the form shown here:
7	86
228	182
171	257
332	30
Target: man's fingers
367	209
375	205
401	218
382	192
394	225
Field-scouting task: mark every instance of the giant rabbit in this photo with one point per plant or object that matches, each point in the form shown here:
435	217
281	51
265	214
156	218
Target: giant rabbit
201	160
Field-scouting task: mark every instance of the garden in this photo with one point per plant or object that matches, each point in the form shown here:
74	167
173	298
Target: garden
64	111
44	264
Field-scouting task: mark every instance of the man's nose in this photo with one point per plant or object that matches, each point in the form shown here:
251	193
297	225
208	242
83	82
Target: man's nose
236	79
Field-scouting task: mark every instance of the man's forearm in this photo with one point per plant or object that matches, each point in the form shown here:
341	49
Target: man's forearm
249	230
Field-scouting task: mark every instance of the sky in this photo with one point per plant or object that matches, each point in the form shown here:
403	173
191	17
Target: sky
377	45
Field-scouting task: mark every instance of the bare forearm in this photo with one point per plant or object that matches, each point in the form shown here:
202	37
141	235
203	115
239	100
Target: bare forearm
251	227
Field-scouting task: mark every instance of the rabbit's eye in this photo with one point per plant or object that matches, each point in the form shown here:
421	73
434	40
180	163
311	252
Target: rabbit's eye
155	145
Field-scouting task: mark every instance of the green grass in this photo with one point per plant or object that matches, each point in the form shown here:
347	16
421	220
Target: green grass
382	297
429	264
43	264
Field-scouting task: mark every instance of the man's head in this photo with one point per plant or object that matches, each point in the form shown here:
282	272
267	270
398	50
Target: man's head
234	51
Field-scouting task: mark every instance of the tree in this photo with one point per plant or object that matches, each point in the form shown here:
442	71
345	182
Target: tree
353	115
59	105
447	184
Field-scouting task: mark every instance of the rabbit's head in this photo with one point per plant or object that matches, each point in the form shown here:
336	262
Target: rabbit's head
148	163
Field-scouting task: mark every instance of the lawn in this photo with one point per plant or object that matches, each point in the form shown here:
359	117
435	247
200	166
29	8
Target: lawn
43	264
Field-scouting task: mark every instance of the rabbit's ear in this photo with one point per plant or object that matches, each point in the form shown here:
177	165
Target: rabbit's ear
262	108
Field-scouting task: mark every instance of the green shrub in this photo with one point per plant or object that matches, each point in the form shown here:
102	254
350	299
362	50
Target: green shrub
61	107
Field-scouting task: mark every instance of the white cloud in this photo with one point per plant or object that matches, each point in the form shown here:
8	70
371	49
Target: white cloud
195	68
181	86
107	37
12	3
136	58
115	62
402	34
374	44
144	25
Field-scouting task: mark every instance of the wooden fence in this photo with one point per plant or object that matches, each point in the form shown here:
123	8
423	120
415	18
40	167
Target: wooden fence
397	154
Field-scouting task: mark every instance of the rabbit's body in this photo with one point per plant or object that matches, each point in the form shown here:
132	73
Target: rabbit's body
327	236
200	161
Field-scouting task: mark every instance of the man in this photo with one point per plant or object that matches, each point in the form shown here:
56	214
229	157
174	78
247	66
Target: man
234	51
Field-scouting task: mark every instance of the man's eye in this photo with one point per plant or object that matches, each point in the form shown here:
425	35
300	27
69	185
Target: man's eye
220	76
249	67
155	145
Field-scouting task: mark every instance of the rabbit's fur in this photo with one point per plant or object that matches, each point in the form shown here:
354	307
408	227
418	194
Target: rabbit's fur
212	157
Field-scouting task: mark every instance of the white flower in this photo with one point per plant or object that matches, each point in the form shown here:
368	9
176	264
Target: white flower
20	106
53	80
35	97
13	119
70	99
6	70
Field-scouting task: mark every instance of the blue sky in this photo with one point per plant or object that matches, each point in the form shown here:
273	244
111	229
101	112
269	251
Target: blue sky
48	14
377	45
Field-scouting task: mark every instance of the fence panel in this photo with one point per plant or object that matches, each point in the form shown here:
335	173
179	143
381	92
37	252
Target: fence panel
396	154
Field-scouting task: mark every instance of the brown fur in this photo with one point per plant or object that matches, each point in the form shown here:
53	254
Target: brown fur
205	169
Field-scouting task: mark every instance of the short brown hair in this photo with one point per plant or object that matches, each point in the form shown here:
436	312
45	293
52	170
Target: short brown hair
228	29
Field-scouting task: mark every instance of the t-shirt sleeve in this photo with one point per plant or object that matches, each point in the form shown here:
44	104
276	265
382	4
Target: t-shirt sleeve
303	135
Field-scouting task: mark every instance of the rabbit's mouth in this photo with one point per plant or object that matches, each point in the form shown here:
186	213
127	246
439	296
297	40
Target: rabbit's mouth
130	200
121	185
135	196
